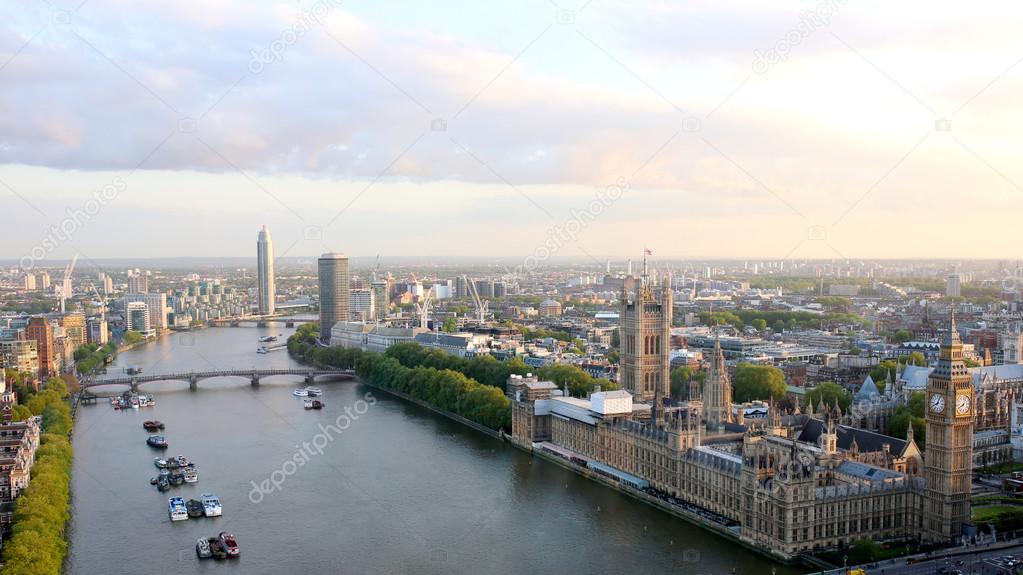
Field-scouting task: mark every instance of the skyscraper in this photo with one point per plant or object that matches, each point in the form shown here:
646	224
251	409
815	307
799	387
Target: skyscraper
334	299
265	266
948	463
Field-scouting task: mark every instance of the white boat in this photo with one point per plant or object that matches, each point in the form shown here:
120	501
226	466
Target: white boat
300	393
314	391
262	349
176	509
211	505
191	474
144	401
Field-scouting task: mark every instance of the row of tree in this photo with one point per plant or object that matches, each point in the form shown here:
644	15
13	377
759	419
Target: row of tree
38	546
778	321
91	356
426	378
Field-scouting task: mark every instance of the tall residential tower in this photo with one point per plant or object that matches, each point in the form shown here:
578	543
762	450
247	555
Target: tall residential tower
334	297
265	267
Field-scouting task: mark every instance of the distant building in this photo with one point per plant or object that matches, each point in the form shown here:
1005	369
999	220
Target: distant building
381	299
363	306
157	305
138	281
334	297
40	330
20	355
953	285
550	308
267	291
136	318
97	330
74	329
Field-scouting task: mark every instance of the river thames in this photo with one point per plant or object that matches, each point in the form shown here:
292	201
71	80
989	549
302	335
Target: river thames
370	484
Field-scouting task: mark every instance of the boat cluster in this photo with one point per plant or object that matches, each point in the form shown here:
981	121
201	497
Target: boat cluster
178	470
208	505
222	546
174	471
309	393
129	400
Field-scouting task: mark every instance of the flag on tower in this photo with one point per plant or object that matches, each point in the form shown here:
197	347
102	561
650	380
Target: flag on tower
648	252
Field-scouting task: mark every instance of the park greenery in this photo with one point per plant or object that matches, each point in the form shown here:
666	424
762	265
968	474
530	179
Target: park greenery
37	545
758	382
533	334
470	387
779	320
131	337
91	356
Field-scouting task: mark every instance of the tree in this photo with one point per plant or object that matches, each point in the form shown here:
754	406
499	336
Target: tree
830	393
902	336
759	325
131	337
752	382
778	326
864	551
970	362
450	325
881	371
680	378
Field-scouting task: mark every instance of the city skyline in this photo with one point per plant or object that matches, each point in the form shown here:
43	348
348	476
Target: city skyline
788	132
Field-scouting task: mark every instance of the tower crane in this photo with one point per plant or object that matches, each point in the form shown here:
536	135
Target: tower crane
482	306
423	309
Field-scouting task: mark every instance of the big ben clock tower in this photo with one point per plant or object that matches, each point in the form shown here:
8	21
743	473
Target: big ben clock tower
948	461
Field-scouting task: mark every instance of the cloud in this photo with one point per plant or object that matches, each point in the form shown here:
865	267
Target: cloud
530	108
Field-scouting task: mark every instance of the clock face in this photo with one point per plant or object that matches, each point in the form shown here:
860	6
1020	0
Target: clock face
938	403
963	404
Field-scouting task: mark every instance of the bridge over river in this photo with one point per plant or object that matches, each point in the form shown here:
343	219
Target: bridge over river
194	377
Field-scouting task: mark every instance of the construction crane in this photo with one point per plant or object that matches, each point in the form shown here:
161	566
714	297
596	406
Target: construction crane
65	286
376	268
482	306
423	309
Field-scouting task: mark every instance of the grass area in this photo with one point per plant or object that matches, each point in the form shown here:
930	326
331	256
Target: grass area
996	499
1007	467
990	513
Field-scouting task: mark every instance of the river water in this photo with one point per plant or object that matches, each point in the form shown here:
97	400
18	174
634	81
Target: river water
391	488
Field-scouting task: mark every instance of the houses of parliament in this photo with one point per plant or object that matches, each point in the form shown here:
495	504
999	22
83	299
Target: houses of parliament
788	484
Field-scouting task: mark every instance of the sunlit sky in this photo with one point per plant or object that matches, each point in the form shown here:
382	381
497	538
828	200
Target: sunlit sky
473	128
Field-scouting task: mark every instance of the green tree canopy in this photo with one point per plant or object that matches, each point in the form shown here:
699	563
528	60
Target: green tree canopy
751	382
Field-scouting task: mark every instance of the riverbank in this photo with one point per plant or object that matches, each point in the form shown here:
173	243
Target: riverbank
731	534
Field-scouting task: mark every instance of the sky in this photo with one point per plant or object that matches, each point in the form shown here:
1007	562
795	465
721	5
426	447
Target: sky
541	128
